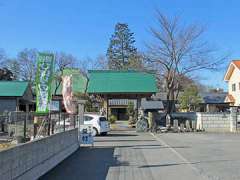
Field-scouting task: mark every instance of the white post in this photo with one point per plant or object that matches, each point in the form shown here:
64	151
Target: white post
80	116
233	119
199	121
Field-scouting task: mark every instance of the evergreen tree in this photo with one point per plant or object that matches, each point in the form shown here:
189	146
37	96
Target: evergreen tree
6	74
14	66
121	53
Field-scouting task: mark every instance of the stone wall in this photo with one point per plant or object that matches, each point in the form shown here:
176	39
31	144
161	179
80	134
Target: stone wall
214	122
31	160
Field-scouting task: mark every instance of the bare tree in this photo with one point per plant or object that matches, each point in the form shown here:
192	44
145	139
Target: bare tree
101	62
28	64
85	64
2	57
178	51
62	61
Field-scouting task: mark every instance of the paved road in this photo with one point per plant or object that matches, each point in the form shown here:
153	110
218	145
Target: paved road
126	155
214	156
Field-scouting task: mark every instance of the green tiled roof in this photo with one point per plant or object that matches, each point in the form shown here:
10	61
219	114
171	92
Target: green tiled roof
108	81
79	82
13	88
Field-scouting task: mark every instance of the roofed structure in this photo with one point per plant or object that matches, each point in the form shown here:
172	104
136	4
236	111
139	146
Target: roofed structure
13	88
118	88
108	81
153	105
15	96
213	98
234	64
213	102
230	99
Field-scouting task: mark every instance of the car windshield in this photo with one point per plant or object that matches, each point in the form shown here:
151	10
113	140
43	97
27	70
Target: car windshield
102	119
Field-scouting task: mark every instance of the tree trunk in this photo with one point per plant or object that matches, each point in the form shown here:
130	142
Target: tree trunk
170	101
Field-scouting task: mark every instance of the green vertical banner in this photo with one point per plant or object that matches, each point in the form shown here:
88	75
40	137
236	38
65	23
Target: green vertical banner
43	82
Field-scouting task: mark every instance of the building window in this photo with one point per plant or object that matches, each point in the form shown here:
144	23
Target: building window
233	87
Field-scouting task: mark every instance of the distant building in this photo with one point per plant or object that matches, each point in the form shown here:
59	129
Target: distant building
232	77
162	96
15	96
213	102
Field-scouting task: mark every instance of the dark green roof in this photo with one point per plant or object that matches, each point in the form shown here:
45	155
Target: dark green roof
13	88
79	82
108	81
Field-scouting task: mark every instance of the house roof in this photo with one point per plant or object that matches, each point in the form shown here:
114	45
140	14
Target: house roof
229	98
234	64
109	81
151	104
13	88
79	82
213	98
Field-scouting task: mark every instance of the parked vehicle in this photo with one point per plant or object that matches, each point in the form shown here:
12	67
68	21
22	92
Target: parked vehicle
100	124
67	122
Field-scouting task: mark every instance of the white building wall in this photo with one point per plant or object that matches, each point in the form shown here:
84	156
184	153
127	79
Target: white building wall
235	78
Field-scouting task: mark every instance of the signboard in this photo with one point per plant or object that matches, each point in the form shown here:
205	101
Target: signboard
67	93
86	134
43	82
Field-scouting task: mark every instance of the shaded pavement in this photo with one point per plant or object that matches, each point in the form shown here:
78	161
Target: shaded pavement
124	155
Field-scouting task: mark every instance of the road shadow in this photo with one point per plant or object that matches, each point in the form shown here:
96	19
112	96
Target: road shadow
161	165
185	163
120	135
124	140
85	163
136	146
122	129
163	147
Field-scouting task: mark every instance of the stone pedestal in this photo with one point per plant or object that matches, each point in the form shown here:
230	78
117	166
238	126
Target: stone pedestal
175	125
188	128
168	121
150	120
142	123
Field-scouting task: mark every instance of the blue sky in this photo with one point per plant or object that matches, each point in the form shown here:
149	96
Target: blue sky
83	28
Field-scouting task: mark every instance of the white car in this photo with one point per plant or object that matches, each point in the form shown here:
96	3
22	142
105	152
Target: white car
99	123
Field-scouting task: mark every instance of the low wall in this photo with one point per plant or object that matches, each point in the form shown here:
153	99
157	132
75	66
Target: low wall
208	121
31	160
213	122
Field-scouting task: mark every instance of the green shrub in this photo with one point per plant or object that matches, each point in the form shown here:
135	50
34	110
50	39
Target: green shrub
112	119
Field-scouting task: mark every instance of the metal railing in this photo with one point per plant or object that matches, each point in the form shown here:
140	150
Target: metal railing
22	126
